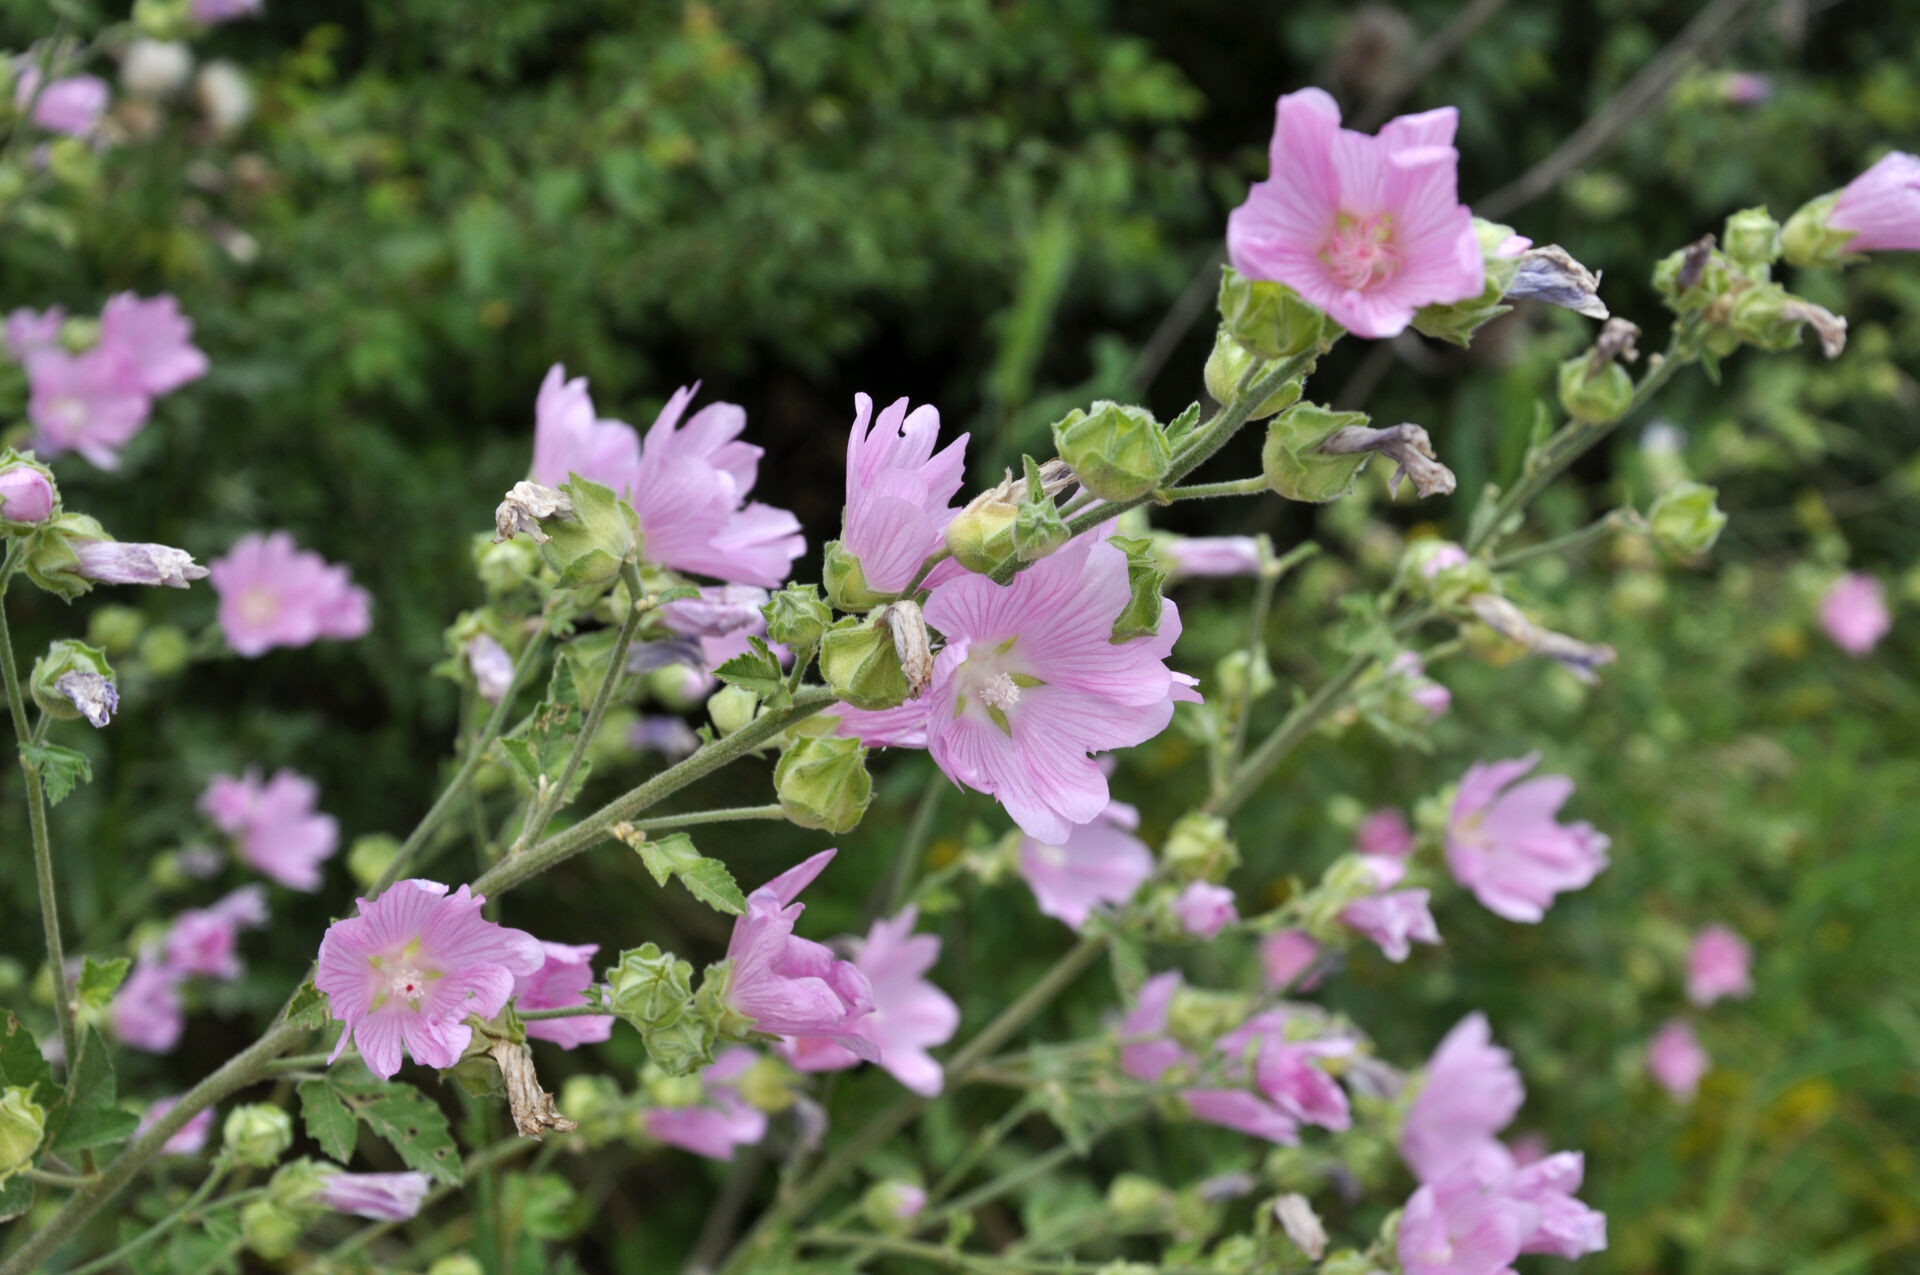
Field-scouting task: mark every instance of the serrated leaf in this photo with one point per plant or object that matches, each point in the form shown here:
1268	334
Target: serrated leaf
99	980
88	1116
20	1060
61	769
327	1119
409	1122
542	747
757	671
1179	426
309	1007
709	881
666	856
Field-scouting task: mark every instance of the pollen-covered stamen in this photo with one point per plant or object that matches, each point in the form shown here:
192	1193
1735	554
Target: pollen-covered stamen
407	982
1360	251
1000	691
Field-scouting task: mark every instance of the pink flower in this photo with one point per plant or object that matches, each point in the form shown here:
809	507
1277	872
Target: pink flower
30	331
901	727
1285	955
1190	556
899	491
1291	1079
1384	834
1394	921
388	1197
1882	206
724	1121
1854	613
274	825
1151	1053
1470	1093
211	11
569	438
1421	689
1367	228
145	1012
117	562
206	940
153	339
1101	862
1504	844
1744	88
719	611
273	593
1563	1225
1444	556
1718	964
25	494
412	966
561	982
72	105
1460	1230
491	666
1030	683
89	403
909	1016
191	1138
1676	1060
791	986
1205	909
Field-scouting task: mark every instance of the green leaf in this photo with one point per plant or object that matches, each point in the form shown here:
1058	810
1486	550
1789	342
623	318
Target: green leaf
757	671
541	749
309	1007
16	1197
100	980
705	879
89	1115
410	1122
328	1121
60	769
20	1061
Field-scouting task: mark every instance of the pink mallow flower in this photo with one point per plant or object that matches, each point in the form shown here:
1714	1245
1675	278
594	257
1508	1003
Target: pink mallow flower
1384	833
561	982
1367	228
1471	1092
570	438
1187	557
899	491
1505	845
118	562
1030	682
145	1013
1854	613
153	339
1101	862
386	1197
1205	909
1457	1229
1882	206
723	1120
788	986
89	403
1286	955
31	331
207	940
1718	964
273	593
190	1139
910	1015
274	825
72	105
1675	1059
1394	921
412	966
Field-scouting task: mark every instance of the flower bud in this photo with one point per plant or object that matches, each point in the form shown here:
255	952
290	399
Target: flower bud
164	650
1228	363
732	707
589	546
1752	238
23	1122
680	687
891	1207
681	1048
980	537
1771	318
1692	277
1200	848
1595	396
297	1181
1809	240
27	493
1117	452
1138	1201
271	1230
369	857
1145	578
1243	676
1685	519
1270	319
650	988
115	629
824	784
504	566
860	661
796	617
1294	465
73	680
768	1085
257	1134
846	583
592	1102
1198	1017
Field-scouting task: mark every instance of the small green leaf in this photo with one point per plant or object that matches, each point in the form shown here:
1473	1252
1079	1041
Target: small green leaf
757	671
328	1121
309	1007
410	1122
89	1116
20	1061
60	769
99	980
709	881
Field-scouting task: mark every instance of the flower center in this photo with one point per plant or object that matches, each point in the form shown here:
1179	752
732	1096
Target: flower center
258	606
407	982
68	412
1361	251
999	691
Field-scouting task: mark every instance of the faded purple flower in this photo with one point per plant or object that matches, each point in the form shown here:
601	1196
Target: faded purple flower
117	562
1393	921
789	986
386	1197
1718	964
1675	1059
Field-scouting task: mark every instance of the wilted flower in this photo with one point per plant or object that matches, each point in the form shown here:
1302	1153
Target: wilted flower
387	1197
206	940
1470	1093
117	562
909	1016
94	697
1204	909
145	1013
1718	964
899	491
1101	862
191	1137
90	403
1676	1059
1504	843
561	982
274	825
275	594
723	1120
788	986
1367	228
412	966
1393	921
1854	613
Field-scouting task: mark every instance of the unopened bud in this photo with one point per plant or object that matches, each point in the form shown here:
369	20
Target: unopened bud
732	707
1243	676
1228	363
73	680
1302	1225
27	494
1198	1017
824	784
1685	519
601	533
1771	318
271	1230
796	617
1752	238
768	1085
1136	1200
257	1134
165	650
1270	319
1200	847
892	1207
846	581
980	537
504	566
526	506
1116	451
860	662
1809	240
1594	388
650	988
115	629
1693	277
23	1122
681	1048
1294	464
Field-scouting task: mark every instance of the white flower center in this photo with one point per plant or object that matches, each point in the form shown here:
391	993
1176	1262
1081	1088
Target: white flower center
999	691
407	982
258	606
68	412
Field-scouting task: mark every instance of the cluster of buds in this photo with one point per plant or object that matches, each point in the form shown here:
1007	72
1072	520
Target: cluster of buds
1730	294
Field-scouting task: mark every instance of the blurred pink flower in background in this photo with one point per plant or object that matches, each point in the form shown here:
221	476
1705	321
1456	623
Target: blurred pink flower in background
72	105
1190	556
153	339
1204	909
206	940
1854	613
1100	862
1470	1093
190	1139
910	1015
145	1013
1384	833
1394	921
273	593
275	826
1676	1060
1718	964
1285	955
386	1197
211	11
723	1120
89	403
1505	844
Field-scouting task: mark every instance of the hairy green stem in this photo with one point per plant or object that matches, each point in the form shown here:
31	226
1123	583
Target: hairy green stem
1609	522
726	814
111	1260
1204	491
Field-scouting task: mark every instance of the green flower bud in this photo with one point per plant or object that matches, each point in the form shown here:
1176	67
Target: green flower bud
796	617
1807	239
980	537
1200	848
163	19
1243	676
73	680
297	1181
1117	452
165	650
257	1134
891	1207
1348	1262
271	1230
594	1103
846	582
602	532
506	565
1771	318
1693	277
1685	519
677	686
768	1085
23	1122
1594	398
1197	1017
1138	1201
456	1264
1270	319
1228	363
650	988
823	783
1752	238
731	708
115	629
682	1048
859	661
1294	467
50	561
1145	577
369	857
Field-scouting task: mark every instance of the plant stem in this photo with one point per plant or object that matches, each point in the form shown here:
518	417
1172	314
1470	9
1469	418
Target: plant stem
1609	522
906	860
70	1181
1202	491
727	814
567	1011
158	1229
985	1262
485	1158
